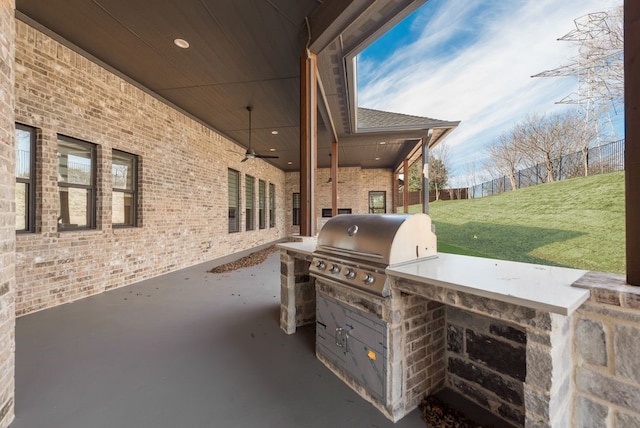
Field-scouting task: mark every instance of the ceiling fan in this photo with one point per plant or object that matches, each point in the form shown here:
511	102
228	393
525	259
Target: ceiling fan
251	154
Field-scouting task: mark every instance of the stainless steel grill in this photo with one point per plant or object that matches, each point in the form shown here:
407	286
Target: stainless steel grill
355	250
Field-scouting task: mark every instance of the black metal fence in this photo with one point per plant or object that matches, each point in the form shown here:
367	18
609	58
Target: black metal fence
601	159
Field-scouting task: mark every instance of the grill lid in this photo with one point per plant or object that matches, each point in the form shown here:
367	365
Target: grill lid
385	239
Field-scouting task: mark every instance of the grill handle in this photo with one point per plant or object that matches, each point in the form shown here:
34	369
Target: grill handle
342	339
349	253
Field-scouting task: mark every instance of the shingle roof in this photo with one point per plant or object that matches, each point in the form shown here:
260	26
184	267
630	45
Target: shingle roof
369	119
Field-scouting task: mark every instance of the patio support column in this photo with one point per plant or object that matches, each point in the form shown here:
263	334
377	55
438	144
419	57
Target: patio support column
405	187
308	143
425	171
632	135
394	193
334	178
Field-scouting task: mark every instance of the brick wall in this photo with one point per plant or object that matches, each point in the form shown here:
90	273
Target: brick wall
607	342
183	217
424	348
7	214
297	291
354	185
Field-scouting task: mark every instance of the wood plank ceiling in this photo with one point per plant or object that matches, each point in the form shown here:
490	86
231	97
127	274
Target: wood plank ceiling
244	52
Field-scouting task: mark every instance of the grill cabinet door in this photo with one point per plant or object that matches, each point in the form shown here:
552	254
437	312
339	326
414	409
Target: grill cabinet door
330	334
354	341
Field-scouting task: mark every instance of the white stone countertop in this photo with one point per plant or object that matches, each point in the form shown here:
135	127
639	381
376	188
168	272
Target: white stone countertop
307	246
546	288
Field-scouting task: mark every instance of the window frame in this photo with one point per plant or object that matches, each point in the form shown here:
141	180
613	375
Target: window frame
384	201
235	226
133	193
92	202
30	194
249	201
262	204
272	205
295	212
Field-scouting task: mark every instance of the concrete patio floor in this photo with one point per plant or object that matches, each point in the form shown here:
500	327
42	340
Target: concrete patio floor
187	349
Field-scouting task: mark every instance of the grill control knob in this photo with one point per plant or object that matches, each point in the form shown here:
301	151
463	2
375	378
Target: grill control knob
320	265
368	279
335	268
350	273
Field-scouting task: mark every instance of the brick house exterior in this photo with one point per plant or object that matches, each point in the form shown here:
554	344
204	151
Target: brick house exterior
182	181
183	211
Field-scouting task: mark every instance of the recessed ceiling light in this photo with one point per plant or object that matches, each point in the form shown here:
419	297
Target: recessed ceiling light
382	142
274	132
377	158
272	150
181	43
289	163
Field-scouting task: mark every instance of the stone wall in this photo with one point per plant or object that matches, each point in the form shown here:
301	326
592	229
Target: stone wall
547	390
7	214
296	286
354	185
486	362
183	203
607	343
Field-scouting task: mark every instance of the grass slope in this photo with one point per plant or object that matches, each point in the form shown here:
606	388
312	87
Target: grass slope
576	223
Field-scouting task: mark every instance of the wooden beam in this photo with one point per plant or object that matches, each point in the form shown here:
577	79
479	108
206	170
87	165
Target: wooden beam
308	143
405	187
425	177
425	171
334	178
632	136
394	192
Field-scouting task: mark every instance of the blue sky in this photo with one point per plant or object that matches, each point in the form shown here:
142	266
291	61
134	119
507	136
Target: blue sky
472	61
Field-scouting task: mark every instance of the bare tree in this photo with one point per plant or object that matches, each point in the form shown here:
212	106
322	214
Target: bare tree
438	171
506	157
473	176
544	140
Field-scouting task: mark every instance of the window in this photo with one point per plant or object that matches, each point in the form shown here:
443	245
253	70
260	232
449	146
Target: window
326	212
296	209
124	178
272	205
25	177
76	184
262	204
249	184
377	202
233	179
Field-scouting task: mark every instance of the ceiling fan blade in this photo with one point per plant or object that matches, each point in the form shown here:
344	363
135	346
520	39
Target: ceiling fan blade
267	157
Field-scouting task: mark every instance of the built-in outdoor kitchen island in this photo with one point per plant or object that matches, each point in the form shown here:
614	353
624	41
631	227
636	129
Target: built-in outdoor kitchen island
498	332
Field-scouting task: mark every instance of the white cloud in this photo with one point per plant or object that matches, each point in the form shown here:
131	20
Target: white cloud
487	84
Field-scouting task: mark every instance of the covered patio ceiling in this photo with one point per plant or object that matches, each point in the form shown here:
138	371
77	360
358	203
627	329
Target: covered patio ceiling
244	53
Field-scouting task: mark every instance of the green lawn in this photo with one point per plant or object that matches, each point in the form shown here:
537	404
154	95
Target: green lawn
576	223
